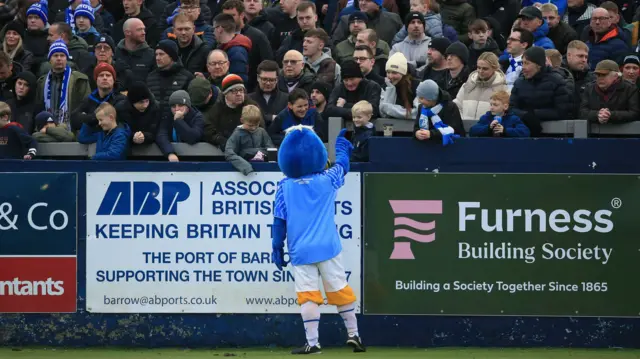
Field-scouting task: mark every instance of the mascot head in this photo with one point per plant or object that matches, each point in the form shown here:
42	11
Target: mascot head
301	152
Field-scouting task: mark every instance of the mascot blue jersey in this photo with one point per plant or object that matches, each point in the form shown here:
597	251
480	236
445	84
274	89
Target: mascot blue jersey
307	204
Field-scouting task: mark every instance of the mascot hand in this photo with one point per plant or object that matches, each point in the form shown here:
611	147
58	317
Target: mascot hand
342	132
342	143
277	257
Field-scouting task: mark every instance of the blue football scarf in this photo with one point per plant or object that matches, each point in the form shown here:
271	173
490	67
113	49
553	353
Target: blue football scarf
63	109
431	114
68	18
95	97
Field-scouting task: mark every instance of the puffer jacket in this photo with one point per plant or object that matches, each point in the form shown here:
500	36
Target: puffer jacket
196	59
110	146
202	30
238	50
621	99
163	82
562	35
582	79
433	29
513	126
141	61
610	46
243	145
474	96
544	97
390	106
145	122
414	50
458	14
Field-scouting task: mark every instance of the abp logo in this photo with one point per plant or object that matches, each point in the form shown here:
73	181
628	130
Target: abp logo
141	198
402	250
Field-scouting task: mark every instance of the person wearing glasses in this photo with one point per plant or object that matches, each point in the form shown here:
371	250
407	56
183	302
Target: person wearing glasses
364	57
103	52
519	40
268	97
606	40
294	73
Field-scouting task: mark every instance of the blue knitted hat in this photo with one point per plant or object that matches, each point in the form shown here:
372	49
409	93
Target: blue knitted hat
58	46
40	9
86	11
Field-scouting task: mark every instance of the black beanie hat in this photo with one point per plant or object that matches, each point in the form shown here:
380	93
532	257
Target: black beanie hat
359	15
137	92
322	87
460	50
350	69
440	44
17	27
536	55
170	47
414	15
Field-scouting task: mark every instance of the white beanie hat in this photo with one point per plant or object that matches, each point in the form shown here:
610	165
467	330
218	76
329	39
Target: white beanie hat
397	63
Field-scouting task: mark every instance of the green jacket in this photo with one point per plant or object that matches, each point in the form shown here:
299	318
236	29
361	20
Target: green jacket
55	134
79	90
244	145
345	49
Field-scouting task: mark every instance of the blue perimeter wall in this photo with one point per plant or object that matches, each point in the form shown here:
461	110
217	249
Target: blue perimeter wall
596	156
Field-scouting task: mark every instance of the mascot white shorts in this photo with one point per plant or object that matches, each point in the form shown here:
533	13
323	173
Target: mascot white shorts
334	280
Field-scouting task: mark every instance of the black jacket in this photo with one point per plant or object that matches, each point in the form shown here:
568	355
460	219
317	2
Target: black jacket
450	115
196	59
561	36
145	122
163	82
261	23
86	112
124	75
375	77
150	23
15	142
451	85
205	14
490	46
61	17
24	111
260	51
141	61
544	97
284	25
367	90
306	80
581	80
360	141
224	120
622	101
277	102
291	42
35	41
189	130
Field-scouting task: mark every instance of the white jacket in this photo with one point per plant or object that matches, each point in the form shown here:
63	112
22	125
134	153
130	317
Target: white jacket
389	108
475	94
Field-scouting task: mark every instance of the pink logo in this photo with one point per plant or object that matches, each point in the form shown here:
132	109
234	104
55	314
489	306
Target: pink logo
402	250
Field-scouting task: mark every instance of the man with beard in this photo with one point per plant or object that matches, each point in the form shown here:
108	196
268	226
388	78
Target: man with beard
577	62
104	51
134	51
134	9
270	100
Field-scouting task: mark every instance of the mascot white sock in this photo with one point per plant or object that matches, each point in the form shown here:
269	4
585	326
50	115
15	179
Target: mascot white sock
304	216
311	319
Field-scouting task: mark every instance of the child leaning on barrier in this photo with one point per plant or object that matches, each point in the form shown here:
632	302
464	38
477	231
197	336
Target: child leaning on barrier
248	142
15	142
498	121
362	131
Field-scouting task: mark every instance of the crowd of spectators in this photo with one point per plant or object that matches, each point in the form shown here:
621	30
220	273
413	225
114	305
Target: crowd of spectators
238	73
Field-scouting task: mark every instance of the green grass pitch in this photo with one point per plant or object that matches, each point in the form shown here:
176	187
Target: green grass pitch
336	353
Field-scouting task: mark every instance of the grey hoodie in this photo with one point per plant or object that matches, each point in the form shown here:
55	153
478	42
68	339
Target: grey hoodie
244	145
414	50
433	29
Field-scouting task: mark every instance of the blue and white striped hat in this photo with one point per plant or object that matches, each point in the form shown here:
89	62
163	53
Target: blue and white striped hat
40	9
86	11
58	46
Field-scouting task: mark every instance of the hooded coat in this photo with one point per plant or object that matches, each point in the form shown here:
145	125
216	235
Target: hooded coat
189	129
263	24
414	50
325	68
145	122
141	61
110	146
243	145
238	50
474	96
23	111
433	28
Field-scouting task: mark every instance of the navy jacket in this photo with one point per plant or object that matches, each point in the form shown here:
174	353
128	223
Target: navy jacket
611	46
190	129
513	126
360	141
286	119
15	142
111	146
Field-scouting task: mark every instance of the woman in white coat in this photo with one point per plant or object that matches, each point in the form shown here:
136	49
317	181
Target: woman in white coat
473	97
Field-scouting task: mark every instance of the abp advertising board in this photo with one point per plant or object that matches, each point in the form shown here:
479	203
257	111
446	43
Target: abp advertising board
196	242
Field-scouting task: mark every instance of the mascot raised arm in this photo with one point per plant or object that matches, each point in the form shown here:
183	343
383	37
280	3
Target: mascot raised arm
304	216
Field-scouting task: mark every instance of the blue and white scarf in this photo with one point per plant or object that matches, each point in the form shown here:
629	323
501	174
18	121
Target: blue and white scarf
68	18
431	114
63	109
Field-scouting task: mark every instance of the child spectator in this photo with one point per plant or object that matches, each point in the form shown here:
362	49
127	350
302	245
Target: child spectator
362	112
84	19
141	112
112	140
481	42
15	142
248	142
438	116
48	131
297	113
498	121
